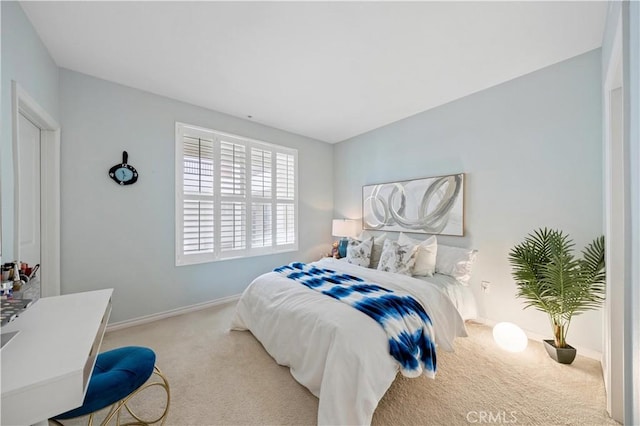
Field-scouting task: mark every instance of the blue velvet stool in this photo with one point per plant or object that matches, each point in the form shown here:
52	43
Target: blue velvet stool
117	377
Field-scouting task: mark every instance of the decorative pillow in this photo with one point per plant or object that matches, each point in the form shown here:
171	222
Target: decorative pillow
425	257
397	258
455	261
359	252
376	251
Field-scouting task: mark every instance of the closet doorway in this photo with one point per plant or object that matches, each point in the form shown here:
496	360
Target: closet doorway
36	220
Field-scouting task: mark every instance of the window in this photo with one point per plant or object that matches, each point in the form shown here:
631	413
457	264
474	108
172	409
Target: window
235	197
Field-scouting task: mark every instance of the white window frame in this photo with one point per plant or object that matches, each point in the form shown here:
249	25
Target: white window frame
184	129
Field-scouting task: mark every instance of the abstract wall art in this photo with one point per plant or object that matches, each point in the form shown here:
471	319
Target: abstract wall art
430	205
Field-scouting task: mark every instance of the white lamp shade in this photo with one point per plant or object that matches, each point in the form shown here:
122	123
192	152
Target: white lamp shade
510	337
344	228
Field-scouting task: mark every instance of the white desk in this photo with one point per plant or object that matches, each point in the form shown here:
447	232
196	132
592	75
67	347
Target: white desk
46	367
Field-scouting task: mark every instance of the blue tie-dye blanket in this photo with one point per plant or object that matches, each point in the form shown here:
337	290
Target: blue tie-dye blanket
407	325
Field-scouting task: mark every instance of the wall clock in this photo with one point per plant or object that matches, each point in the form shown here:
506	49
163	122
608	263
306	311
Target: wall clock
123	173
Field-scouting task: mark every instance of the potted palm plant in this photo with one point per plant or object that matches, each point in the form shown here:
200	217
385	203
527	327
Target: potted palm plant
552	280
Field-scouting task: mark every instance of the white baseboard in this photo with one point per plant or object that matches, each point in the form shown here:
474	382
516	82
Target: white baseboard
589	353
172	313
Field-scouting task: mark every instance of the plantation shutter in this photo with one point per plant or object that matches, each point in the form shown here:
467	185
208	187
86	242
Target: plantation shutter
198	196
260	173
285	190
235	197
233	188
261	191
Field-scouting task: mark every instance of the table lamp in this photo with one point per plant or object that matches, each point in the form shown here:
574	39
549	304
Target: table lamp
343	228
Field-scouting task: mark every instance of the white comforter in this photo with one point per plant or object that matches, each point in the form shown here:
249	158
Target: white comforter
337	352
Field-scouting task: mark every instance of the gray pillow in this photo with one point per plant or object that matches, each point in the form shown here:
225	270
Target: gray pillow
376	250
359	252
397	258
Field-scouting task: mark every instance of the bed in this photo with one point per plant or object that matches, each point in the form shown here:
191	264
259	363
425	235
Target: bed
337	352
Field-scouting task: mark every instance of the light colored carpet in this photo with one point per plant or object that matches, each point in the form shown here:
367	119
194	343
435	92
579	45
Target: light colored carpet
221	377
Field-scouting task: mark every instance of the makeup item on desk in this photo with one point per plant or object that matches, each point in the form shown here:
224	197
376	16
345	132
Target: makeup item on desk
33	271
16	274
8	268
6	289
6	271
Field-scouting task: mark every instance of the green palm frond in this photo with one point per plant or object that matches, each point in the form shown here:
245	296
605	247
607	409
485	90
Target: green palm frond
550	279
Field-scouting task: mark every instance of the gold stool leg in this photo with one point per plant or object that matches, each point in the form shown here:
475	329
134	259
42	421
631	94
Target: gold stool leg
116	408
161	381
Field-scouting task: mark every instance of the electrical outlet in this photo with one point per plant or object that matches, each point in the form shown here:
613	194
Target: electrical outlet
486	286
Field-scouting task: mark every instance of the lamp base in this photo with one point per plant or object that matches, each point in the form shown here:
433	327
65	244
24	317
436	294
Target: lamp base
342	247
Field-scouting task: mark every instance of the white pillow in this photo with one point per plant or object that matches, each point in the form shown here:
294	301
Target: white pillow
456	262
359	252
397	258
376	251
426	257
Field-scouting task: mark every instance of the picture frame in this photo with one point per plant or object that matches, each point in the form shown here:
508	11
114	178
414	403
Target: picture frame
432	205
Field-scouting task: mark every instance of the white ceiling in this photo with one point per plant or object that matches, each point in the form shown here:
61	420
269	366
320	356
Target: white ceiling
327	70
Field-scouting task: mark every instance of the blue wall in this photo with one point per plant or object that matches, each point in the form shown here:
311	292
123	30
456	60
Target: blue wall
26	60
531	149
123	237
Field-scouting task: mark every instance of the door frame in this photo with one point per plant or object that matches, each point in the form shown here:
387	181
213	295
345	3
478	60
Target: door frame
614	302
631	60
23	103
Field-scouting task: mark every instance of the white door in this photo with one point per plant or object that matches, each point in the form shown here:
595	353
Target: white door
29	194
